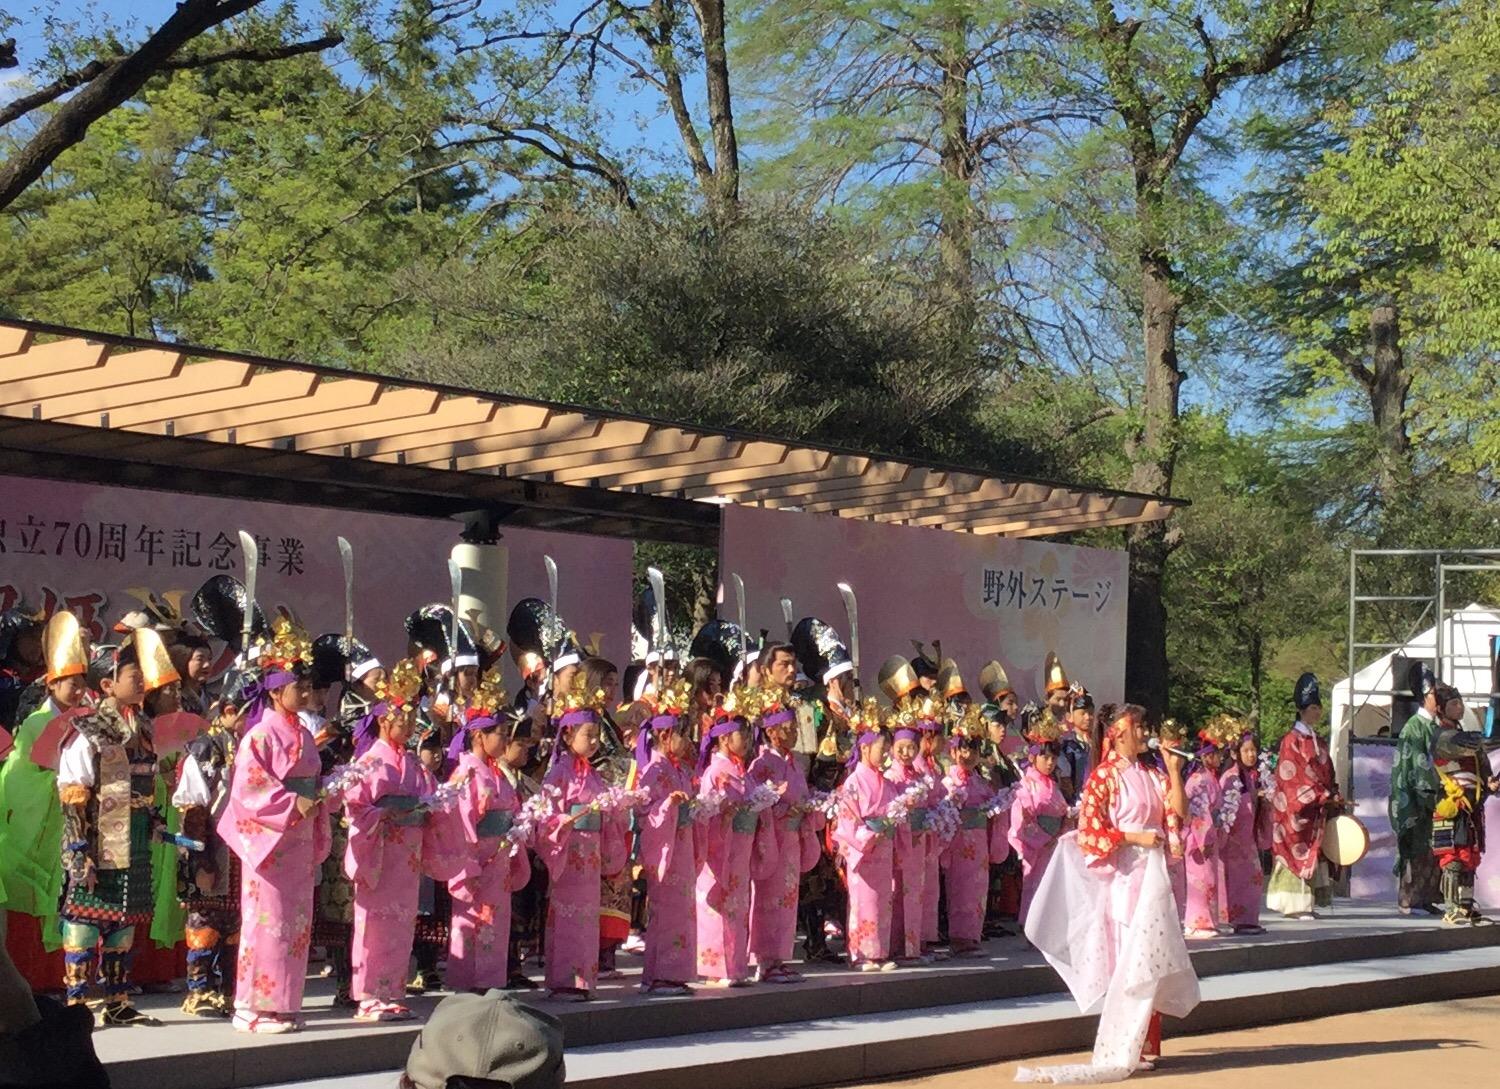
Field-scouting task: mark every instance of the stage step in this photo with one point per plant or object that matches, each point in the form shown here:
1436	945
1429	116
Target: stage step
833	1051
857	1049
209	1055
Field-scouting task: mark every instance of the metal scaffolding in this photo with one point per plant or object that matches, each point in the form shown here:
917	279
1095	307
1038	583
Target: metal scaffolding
1396	618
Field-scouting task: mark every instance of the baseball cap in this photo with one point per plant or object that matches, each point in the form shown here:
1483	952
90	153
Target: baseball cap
487	1039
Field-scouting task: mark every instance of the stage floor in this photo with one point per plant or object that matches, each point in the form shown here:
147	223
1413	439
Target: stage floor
210	1055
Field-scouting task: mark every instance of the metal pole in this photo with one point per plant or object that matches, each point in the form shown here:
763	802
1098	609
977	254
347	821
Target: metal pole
1345	759
1437	665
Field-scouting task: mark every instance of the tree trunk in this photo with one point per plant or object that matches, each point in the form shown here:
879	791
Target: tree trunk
1154	457
726	180
1387	391
956	209
1257	654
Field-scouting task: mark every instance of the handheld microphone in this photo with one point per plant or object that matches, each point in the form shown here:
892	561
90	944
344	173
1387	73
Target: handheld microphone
1154	743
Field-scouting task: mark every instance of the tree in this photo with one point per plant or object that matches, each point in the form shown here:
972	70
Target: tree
930	117
117	73
1161	76
265	208
1254	577
1401	237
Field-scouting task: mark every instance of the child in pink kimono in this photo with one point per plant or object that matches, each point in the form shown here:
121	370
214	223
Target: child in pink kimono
1247	832
1201	839
1037	814
729	837
668	847
579	844
910	843
967	857
865	839
273	822
494	865
384	857
787	846
930	765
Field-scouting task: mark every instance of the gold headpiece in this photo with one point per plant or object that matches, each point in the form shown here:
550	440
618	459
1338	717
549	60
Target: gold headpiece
915	708
674	699
866	716
1056	677
287	648
994	682
897	678
489	697
151	655
63	647
1171	732
401	686
1043	728
949	684
578	697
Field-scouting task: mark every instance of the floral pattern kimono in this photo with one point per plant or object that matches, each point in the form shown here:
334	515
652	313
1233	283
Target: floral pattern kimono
1304	784
967	858
723	887
1036	819
668	839
1202	840
1246	834
275	764
787	845
384	860
493	867
867	850
576	856
912	845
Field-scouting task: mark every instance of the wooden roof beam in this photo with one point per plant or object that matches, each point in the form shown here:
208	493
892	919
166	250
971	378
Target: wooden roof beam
108	382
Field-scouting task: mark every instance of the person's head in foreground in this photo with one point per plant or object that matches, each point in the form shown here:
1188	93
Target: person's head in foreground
486	1041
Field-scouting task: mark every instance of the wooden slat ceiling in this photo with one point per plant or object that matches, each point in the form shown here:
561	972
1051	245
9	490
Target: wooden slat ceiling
138	389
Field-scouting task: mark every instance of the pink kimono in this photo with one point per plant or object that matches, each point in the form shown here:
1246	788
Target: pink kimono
724	876
868	860
384	860
275	763
786	846
967	858
668	846
1037	796
492	869
932	771
576	857
1201	839
911	855
1246	832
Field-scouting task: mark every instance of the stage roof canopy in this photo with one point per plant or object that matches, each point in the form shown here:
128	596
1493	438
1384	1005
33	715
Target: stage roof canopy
113	409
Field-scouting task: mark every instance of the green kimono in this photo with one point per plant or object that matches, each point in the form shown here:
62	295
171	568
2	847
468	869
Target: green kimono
1414	793
31	870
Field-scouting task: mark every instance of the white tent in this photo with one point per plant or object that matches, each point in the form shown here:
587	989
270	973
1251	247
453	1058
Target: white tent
1466	665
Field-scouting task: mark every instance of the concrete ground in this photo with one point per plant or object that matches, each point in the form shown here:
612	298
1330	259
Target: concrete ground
1448	1043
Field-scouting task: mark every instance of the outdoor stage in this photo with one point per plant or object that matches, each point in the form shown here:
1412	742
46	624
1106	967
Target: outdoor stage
842	1026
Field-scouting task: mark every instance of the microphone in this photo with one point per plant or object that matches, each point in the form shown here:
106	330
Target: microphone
1154	743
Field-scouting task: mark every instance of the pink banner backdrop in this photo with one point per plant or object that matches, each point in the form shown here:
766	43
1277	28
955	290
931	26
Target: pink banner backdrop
85	547
983	597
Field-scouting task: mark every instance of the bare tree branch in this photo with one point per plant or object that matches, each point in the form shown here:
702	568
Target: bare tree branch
113	86
96	68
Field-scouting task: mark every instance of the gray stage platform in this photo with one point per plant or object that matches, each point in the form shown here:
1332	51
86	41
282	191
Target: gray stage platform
842	1025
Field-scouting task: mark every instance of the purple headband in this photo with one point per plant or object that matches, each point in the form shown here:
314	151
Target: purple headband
929	726
717	730
460	743
643	736
368	727
869	737
778	718
259	694
569	719
906	733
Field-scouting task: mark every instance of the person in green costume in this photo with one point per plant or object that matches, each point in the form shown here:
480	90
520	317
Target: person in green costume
1414	792
30	837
